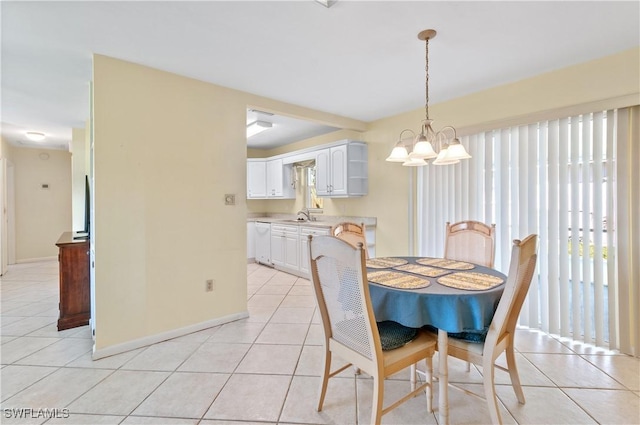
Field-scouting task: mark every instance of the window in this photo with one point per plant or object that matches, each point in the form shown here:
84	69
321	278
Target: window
313	202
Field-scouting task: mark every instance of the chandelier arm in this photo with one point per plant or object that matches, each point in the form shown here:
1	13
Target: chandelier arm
449	127
426	71
400	140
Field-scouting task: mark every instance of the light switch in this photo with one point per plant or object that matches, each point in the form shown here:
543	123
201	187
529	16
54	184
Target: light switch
229	199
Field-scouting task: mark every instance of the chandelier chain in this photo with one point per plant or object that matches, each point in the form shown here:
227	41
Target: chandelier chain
426	70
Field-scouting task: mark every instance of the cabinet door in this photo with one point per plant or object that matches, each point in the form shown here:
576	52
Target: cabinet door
323	172
277	248
304	246
274	178
338	179
291	250
256	179
263	243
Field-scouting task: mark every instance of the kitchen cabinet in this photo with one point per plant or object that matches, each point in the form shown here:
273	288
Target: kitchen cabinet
304	246
256	179
342	171
284	245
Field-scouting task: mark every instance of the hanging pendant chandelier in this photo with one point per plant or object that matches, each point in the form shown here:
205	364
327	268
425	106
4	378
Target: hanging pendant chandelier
442	145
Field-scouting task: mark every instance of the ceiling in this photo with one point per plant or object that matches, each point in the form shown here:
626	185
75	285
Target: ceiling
357	59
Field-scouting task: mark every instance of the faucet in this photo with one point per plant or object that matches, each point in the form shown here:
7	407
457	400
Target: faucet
305	212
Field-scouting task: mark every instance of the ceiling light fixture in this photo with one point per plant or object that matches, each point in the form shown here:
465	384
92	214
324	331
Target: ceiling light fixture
326	3
35	136
257	127
449	149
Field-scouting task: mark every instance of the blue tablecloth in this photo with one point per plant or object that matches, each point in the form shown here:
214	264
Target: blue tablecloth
443	307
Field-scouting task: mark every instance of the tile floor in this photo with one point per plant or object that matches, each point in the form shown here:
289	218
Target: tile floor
265	370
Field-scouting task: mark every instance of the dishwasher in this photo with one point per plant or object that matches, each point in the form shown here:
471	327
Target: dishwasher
263	243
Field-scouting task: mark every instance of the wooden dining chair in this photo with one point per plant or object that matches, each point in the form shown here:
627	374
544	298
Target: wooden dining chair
501	333
470	241
352	233
339	277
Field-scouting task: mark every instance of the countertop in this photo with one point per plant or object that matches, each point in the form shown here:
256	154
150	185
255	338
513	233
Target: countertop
321	220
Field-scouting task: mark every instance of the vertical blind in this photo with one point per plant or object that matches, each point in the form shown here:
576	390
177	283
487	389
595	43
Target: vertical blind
557	179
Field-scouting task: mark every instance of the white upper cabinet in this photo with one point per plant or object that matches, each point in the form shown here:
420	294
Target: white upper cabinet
256	178
342	171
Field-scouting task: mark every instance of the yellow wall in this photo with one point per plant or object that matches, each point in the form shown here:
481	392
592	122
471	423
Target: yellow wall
41	215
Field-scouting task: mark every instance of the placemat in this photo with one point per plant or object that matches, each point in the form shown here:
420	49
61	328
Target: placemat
398	280
385	262
470	281
445	264
422	270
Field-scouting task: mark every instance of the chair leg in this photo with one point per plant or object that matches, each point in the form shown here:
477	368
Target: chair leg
429	378
376	402
325	379
413	376
490	390
513	373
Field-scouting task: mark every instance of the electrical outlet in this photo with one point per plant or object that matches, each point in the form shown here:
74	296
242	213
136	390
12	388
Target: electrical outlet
209	285
229	199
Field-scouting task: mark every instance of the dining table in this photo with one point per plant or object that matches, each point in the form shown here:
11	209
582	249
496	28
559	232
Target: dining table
455	297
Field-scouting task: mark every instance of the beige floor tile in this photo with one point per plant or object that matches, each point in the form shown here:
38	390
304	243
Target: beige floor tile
164	356
339	405
51	330
608	406
467	409
183	395
240	331
305	290
270	359
25	326
292	315
260	314
315	336
22	347
59	353
543	406
111	362
31	309
221	422
16	378
215	357
79	419
283	333
624	369
572	371
5	339
274	290
251	398
58	389
265	301
413	411
150	420
533	341
299	301
583	348
119	394
529	374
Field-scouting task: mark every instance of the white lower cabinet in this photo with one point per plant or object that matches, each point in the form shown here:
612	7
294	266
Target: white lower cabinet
284	246
304	246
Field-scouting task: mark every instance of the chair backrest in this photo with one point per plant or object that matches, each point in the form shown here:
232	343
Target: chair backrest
338	274
521	269
470	241
352	233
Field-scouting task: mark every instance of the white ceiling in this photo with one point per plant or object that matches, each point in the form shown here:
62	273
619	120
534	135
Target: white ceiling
357	59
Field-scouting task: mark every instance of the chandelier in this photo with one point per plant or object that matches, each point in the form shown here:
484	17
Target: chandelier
442	145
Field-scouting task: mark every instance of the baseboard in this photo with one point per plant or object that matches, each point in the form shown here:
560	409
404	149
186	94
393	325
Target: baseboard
251	260
153	339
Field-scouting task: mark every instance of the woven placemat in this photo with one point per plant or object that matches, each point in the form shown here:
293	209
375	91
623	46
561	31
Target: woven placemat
385	262
398	280
470	281
445	264
422	270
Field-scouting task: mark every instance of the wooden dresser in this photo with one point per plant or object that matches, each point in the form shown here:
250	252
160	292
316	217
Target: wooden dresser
75	300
